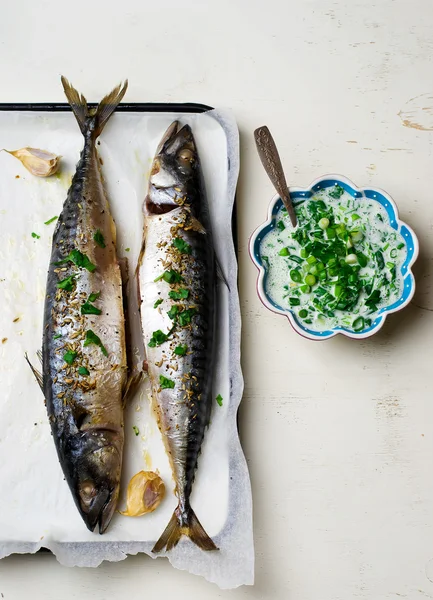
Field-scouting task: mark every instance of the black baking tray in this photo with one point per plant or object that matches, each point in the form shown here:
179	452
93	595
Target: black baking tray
185	107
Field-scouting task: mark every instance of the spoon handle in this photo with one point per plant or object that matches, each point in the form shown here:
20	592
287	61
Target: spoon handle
271	161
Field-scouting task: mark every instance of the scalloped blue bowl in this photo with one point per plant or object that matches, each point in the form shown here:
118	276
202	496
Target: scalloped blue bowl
299	195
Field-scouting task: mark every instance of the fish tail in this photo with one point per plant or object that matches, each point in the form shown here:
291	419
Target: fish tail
103	112
180	524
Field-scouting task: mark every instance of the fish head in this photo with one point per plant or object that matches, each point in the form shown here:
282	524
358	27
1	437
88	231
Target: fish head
96	476
174	172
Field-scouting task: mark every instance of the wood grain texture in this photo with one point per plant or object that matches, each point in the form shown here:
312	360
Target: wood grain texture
339	434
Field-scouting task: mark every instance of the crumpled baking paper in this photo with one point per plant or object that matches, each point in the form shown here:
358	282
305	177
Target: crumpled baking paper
37	510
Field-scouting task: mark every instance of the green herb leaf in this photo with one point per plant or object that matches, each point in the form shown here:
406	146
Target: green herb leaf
67	283
135	430
158	338
281	225
186	316
57	336
219	400
173	312
170	276
181	294
92	338
181	350
337	192
127	249
69	357
165	383
79	259
83	371
182	246
35	235
99	238
89	309
158	302
50	220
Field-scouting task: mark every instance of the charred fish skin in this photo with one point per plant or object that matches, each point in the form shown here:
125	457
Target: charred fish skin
177	293
83	350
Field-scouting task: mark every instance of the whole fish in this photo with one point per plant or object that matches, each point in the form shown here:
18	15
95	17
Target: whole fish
84	367
177	291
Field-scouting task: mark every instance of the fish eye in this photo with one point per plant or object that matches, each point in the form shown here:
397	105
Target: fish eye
186	155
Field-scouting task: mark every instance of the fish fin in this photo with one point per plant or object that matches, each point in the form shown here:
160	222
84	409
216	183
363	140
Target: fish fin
108	105
195	225
140	256
184	524
39	355
103	112
36	373
220	274
131	385
77	102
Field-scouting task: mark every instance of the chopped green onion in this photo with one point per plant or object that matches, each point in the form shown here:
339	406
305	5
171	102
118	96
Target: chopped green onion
284	252
337	192
50	220
355	217
135	430
281	225
351	259
305	289
303	313
57	336
158	302
393	253
35	235
296	275
400	246
219	400
358	324
311	260
294	301
324	223
310	280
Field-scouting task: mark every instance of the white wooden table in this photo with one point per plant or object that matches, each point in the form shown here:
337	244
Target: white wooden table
350	514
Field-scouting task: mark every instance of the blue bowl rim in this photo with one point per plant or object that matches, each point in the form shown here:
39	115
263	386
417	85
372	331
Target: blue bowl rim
373	193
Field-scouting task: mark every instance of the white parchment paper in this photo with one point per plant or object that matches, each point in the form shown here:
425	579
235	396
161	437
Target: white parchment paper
37	509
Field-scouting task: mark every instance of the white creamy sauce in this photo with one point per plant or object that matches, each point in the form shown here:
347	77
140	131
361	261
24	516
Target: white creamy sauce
361	230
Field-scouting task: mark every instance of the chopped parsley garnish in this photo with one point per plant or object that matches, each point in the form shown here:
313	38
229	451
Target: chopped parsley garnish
181	350
83	371
50	220
79	259
186	316
135	430
67	283
127	249
35	235
182	246
281	225
158	302
165	383
89	309
158	338
57	336
181	294
94	296
219	400
173	312
337	192
69	357
99	238
92	338
170	276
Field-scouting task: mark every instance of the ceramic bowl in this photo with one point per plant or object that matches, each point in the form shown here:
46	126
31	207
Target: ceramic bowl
298	195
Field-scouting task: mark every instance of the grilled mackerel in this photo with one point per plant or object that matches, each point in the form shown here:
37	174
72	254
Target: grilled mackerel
83	355
177	291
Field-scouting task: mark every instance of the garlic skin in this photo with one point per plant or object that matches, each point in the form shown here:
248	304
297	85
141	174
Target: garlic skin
145	493
39	162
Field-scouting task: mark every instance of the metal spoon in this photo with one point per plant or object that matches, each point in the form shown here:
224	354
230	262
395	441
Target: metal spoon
271	161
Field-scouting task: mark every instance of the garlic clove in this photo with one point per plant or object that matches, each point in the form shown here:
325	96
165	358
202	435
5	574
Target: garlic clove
145	493
39	162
